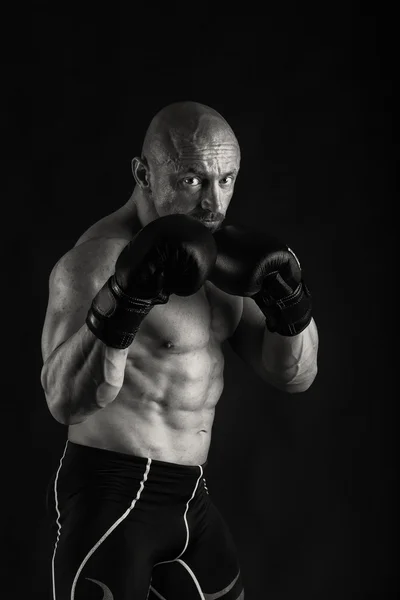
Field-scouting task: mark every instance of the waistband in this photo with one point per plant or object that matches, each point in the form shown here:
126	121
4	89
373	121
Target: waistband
87	456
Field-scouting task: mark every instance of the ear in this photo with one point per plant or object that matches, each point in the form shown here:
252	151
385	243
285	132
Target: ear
140	170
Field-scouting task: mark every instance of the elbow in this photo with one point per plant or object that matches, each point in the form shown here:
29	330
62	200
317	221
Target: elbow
59	418
297	386
52	398
54	406
58	406
59	410
59	398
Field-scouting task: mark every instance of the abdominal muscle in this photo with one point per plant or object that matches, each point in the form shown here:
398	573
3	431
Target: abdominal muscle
165	409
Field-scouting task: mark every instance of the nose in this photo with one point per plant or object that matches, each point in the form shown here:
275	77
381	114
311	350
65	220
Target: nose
212	198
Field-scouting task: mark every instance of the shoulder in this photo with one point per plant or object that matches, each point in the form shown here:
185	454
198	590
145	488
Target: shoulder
121	224
96	251
89	262
78	275
74	281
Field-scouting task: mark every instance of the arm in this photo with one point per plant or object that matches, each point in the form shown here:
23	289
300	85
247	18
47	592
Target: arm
99	295
276	335
287	363
80	374
291	362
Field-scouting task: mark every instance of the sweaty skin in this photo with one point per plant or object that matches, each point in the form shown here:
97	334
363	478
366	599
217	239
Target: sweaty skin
173	375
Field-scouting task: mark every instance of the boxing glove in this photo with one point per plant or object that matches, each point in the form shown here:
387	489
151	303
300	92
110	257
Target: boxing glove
171	255
259	266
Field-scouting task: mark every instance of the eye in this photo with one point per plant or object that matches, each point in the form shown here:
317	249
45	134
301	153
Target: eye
227	180
192	181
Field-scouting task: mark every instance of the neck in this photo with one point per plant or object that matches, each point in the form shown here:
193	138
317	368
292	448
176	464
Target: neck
145	210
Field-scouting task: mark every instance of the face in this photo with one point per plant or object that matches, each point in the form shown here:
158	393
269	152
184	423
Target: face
198	180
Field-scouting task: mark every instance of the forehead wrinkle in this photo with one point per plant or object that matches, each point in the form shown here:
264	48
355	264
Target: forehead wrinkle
226	152
203	159
199	164
208	144
206	168
208	149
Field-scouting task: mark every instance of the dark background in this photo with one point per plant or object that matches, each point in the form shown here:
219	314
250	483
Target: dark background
306	482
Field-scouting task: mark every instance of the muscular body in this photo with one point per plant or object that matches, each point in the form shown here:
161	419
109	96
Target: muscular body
135	370
173	372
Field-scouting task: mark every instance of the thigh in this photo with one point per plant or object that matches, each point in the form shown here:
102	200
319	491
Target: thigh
100	554
208	570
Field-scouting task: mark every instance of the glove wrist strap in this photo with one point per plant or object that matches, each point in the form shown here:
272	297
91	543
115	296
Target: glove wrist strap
115	317
290	314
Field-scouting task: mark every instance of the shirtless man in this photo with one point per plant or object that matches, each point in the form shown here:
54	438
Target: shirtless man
133	365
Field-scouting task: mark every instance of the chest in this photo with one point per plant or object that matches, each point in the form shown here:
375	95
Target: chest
189	323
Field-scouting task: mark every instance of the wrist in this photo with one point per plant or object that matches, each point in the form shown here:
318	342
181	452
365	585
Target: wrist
115	317
288	315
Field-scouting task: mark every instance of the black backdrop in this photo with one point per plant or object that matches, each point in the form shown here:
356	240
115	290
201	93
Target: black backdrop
306	482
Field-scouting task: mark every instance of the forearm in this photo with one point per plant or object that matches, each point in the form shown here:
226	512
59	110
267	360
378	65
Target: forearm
290	362
82	376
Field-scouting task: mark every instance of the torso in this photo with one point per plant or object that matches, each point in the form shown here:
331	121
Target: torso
173	376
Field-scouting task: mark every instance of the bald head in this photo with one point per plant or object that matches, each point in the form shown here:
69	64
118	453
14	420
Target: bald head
181	126
189	165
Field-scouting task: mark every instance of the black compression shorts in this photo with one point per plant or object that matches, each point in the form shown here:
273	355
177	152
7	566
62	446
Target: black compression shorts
133	528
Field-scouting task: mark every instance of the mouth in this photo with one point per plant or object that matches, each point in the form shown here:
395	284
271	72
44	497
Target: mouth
209	223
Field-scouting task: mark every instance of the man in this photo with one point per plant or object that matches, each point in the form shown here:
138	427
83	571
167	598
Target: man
137	314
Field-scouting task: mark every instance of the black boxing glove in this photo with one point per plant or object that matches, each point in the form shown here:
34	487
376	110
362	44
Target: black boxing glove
171	255
257	265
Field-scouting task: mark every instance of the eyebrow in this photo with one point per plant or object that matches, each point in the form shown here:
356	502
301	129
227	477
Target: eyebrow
197	171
